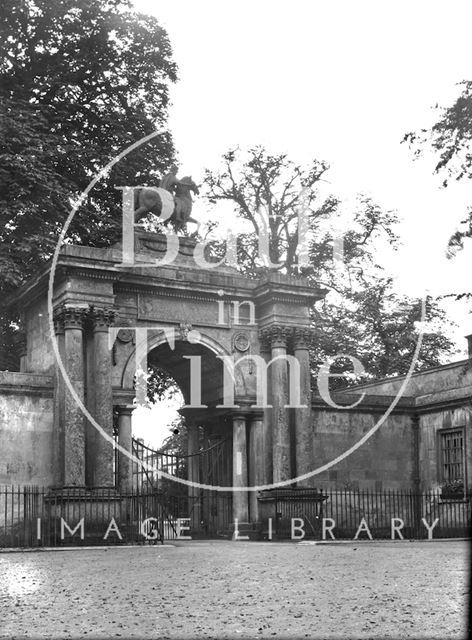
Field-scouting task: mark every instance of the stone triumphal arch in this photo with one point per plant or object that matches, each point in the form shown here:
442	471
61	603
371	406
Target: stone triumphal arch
190	320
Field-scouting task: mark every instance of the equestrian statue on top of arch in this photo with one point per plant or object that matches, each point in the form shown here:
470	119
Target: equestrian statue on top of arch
172	200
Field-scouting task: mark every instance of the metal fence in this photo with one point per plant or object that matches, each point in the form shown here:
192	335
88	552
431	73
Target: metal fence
347	513
34	516
41	517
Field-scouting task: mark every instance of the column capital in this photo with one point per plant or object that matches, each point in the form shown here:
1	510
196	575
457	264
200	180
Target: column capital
58	319
125	409
264	342
303	337
276	335
240	414
66	317
101	318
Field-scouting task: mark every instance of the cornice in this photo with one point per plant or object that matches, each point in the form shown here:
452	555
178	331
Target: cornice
101	264
19	383
370	404
417	374
29	390
281	288
433	403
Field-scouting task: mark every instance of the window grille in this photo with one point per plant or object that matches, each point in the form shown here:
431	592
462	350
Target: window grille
452	455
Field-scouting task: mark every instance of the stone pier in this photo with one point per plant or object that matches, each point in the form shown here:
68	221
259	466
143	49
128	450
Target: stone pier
194	474
125	464
240	477
256	461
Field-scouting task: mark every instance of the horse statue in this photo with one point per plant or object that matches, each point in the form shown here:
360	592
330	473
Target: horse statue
175	209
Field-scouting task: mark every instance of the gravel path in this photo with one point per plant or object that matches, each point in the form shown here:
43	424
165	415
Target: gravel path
225	589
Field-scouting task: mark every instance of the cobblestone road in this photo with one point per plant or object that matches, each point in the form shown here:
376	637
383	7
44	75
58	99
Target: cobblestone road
238	590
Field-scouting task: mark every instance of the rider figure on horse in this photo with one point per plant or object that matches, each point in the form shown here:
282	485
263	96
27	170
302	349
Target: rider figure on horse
170	180
180	190
170	183
174	193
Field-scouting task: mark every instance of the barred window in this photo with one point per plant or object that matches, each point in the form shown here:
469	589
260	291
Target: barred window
452	455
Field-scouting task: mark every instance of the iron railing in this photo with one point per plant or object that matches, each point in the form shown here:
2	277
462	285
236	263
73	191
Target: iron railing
450	516
35	516
32	516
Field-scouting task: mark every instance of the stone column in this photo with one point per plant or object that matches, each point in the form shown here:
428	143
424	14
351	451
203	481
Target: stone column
91	433
240	498
125	464
74	419
304	455
194	474
102	472
59	404
265	351
279	336
256	461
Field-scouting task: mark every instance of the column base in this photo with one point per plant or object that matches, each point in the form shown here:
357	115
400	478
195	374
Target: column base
246	531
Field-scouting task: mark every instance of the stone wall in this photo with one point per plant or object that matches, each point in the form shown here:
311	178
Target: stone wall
26	428
384	461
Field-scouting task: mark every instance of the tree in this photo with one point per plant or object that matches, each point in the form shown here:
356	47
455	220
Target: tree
268	191
80	80
381	329
361	316
272	192
451	138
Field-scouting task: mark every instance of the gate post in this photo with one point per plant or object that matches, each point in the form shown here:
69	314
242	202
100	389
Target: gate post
125	465
240	498
256	458
194	475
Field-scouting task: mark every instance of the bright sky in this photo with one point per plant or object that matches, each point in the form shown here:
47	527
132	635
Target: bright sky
340	81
